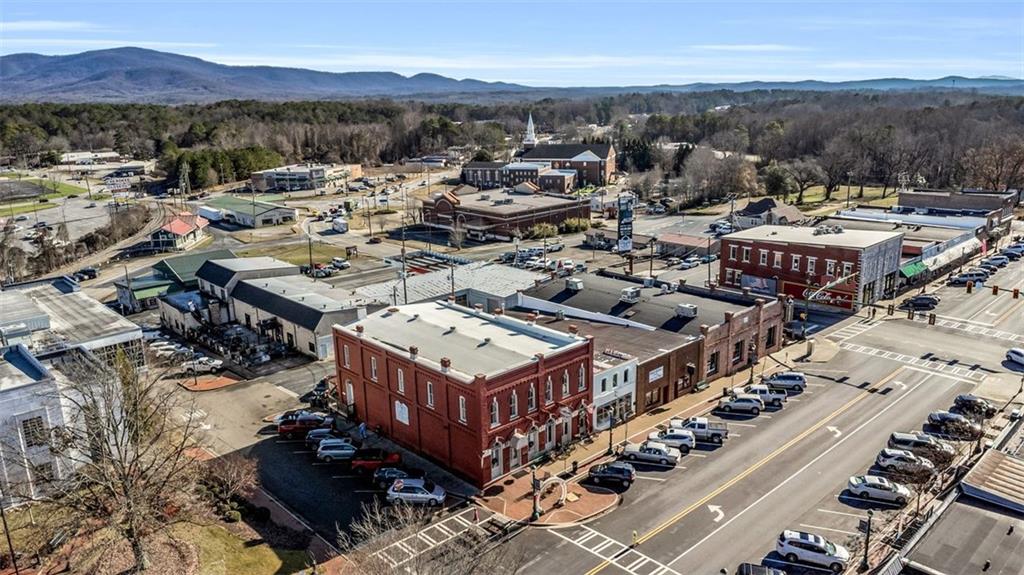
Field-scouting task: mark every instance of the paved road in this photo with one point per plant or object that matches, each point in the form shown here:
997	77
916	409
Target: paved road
788	468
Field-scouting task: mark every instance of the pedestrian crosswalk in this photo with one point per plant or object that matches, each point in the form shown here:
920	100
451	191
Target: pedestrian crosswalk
975	329
850	331
434	535
964	372
621	555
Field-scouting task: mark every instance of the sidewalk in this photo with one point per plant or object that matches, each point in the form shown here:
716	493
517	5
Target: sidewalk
513	496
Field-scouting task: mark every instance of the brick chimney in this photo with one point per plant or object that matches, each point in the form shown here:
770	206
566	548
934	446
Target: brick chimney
531	319
499	311
573	328
446	364
359	330
413	351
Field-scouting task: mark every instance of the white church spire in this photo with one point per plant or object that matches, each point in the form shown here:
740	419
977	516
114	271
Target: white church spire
530	139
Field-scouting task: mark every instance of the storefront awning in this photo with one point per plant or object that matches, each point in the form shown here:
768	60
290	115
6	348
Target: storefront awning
952	254
913	269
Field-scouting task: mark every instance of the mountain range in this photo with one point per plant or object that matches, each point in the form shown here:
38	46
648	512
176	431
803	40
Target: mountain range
139	75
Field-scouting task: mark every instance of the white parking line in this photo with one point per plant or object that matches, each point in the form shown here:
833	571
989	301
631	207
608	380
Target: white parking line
801	565
842	513
742	425
796	473
650	478
820	528
692	454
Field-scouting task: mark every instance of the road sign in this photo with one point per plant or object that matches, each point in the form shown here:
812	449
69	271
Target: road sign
115	184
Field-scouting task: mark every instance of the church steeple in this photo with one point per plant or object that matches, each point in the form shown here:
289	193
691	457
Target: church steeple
530	139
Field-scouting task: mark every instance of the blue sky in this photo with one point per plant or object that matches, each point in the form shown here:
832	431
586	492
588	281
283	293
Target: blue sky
550	42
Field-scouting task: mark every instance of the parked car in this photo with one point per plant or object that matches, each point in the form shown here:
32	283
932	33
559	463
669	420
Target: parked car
336	449
708	258
373	458
788	380
385	477
340	263
651	452
315	436
689	264
769	395
798	546
681	439
202	365
997	260
968	403
900	460
878	488
673	261
416	491
987	268
88	273
702	429
751	404
615	472
1012	254
921	444
954	425
972	276
299	426
1015	355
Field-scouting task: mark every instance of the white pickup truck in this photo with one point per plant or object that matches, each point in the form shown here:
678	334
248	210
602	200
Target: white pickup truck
702	429
202	365
769	395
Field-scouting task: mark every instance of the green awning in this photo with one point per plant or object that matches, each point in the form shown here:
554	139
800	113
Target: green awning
913	269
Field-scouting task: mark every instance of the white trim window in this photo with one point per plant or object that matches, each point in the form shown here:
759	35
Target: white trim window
796	263
811	264
346	359
762	258
830	267
565	384
462	409
746	254
373	368
847	268
531	398
401	380
430	394
549	394
732	252
583	379
513	405
777	260
495	416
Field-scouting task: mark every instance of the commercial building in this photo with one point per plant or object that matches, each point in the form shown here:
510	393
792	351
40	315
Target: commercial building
52	314
483	175
181	232
684	245
489	175
499	215
483	394
726	332
966	202
289	178
493	286
594	164
860	266
170	275
250	212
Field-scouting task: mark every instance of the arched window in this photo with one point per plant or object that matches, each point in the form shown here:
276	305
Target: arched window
513	405
495	418
583	379
548	393
531	398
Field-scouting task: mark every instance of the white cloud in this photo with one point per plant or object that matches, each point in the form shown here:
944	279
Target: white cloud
749	48
45	25
45	43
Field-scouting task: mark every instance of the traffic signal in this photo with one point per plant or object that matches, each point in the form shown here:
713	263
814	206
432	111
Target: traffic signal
891	309
970	287
995	290
1016	293
931	319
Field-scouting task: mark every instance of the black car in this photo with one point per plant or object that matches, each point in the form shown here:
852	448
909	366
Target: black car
1011	254
615	472
384	477
967	403
916	304
88	273
751	569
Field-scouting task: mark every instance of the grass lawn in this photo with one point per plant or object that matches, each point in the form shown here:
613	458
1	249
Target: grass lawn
63	189
872	195
15	209
298	254
222	553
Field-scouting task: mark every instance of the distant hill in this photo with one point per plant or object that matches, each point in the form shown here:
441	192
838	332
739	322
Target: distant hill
148	76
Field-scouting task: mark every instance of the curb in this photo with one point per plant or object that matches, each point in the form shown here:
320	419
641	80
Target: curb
582	521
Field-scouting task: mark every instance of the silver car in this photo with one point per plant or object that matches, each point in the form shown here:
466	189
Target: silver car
417	491
335	450
878	488
742	402
652	452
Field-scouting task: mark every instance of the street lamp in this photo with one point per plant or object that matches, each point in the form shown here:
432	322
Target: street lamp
864	565
536	494
611	430
752	357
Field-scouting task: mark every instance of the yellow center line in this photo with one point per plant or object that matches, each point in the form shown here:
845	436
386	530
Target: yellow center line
746	473
1012	309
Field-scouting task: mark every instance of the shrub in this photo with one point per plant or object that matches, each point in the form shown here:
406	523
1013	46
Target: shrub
544	230
232	517
573	225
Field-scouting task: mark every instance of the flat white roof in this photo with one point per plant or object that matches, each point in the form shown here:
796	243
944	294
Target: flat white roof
806	235
475	342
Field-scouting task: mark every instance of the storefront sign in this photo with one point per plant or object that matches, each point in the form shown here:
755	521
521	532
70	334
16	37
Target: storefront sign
656	374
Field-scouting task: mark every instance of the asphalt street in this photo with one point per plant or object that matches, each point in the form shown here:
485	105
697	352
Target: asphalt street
787	469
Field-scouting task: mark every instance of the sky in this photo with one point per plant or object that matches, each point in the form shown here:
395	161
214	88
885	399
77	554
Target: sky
549	42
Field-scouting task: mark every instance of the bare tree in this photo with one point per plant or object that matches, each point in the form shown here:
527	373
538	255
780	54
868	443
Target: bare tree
374	545
124	444
805	173
996	166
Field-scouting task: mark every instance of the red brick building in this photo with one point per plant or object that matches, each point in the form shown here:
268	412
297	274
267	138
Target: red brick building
796	261
499	214
483	394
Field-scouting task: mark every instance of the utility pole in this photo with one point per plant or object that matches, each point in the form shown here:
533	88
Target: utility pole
650	270
7	533
709	261
309	243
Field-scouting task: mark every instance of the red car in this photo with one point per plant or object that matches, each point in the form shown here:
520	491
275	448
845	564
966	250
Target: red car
373	458
292	427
